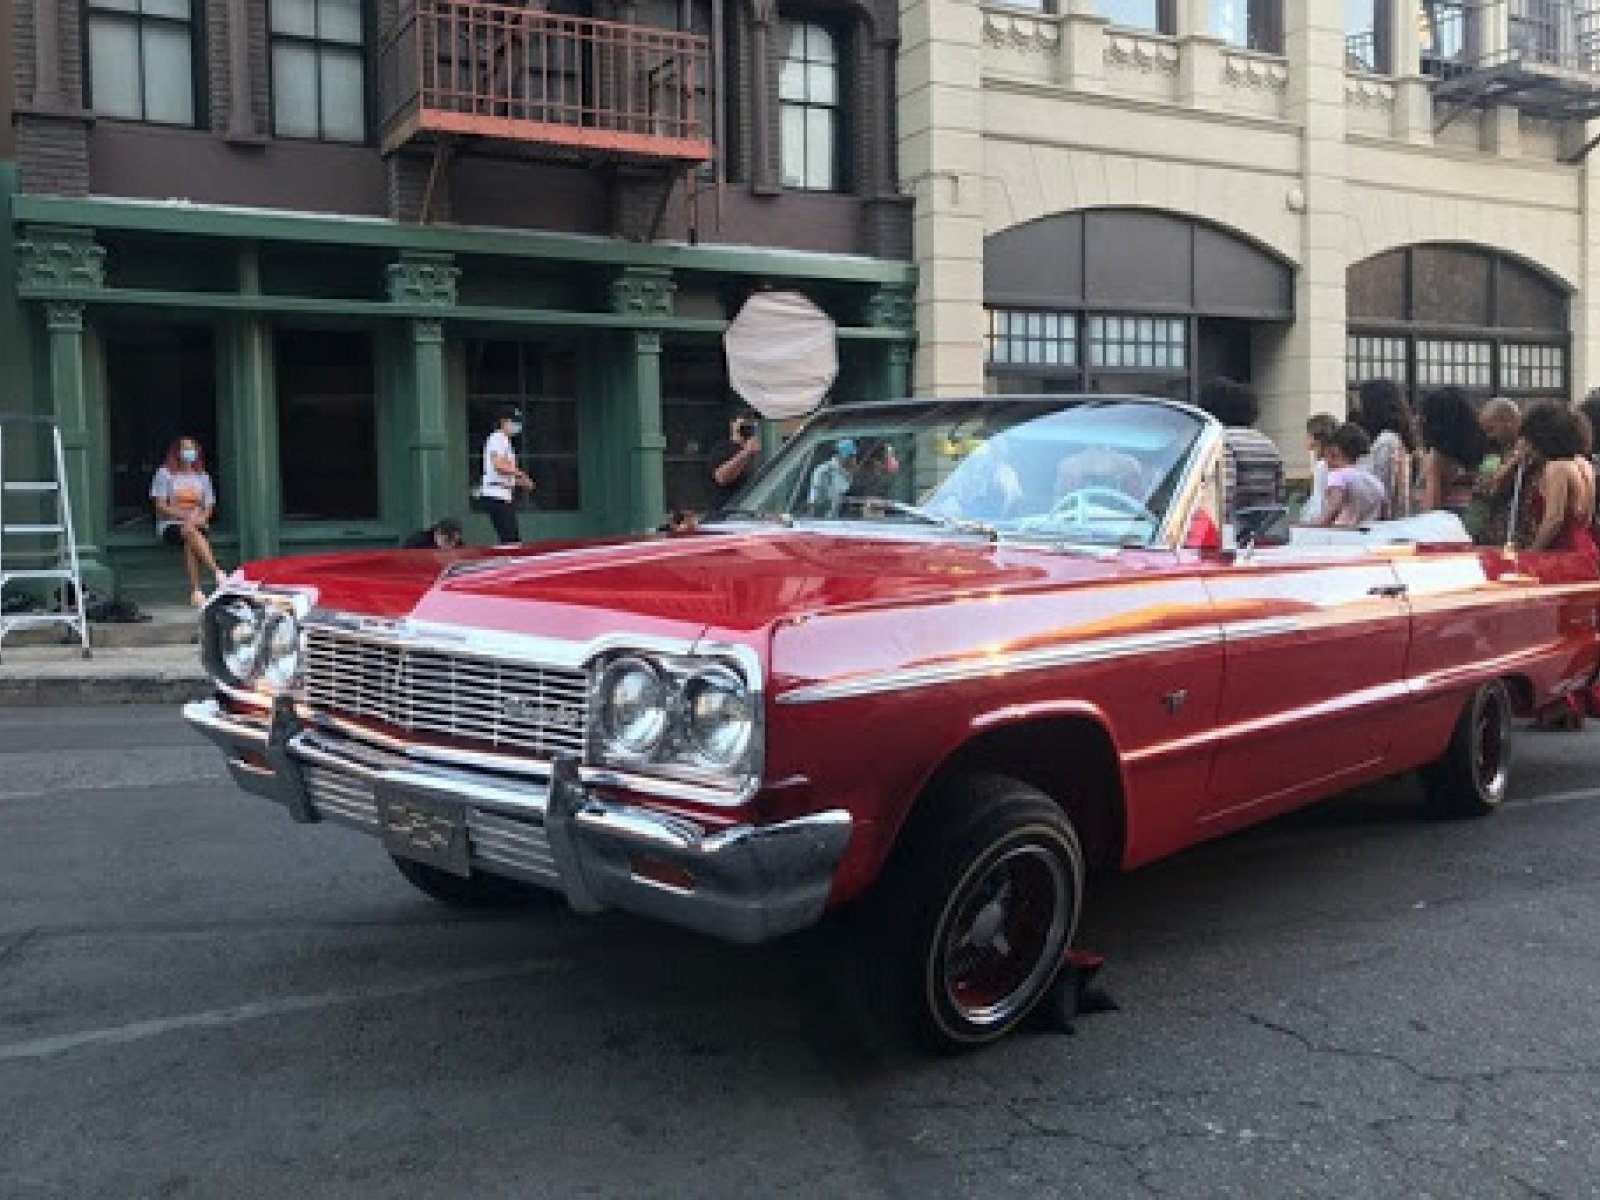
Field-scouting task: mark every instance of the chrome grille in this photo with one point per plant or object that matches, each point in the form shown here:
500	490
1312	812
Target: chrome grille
510	706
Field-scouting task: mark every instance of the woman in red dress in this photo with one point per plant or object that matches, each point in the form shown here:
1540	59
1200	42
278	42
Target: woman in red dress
1554	449
1556	453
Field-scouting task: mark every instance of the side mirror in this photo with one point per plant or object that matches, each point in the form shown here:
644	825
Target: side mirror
1265	526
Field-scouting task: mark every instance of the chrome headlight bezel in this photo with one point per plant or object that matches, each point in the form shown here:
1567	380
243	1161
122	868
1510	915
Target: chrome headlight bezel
268	658
682	751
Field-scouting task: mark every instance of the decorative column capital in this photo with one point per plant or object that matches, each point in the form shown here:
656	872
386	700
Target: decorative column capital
55	256
764	13
424	279
63	316
643	292
428	332
893	306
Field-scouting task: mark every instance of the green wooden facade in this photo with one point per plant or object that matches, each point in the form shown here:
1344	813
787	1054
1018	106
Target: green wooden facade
78	266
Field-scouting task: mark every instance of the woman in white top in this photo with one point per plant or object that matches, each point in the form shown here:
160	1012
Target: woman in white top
1389	422
502	477
184	500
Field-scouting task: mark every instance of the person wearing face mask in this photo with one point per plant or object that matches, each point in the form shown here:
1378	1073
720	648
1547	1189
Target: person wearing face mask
184	501
502	477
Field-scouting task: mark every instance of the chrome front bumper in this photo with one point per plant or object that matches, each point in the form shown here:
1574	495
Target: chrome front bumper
745	884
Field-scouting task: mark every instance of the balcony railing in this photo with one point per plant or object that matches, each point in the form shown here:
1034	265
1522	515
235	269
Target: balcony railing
569	84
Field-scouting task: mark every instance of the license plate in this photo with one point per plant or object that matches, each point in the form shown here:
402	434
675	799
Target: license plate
425	830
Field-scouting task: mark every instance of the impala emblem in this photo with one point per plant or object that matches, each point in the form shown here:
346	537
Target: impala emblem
527	710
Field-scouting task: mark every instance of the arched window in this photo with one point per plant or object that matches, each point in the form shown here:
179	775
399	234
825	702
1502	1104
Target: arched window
1435	315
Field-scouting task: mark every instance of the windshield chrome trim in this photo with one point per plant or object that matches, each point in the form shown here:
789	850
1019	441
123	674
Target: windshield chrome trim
979	666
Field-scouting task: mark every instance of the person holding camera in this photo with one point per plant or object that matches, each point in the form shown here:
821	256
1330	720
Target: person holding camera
733	462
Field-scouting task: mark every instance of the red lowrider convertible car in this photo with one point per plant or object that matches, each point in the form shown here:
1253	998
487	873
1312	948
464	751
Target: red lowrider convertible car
940	683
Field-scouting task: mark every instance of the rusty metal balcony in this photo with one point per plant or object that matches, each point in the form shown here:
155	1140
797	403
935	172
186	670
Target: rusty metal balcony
566	86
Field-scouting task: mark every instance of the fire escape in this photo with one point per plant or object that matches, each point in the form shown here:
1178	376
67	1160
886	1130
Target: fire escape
545	86
1539	56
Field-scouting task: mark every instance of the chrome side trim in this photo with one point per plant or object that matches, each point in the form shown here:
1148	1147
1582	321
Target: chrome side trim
984	666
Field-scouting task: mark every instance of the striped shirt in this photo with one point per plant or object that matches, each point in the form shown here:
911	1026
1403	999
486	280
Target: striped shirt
1252	471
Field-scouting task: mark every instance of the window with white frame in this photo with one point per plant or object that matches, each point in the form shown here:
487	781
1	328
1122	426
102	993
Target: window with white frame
1134	342
1018	337
1454	362
1371	356
1154	15
141	60
810	110
1533	368
319	70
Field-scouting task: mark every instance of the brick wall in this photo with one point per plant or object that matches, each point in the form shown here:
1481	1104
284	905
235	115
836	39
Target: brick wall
53	155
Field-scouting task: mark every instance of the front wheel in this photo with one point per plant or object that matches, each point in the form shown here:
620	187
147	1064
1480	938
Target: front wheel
982	899
1471	777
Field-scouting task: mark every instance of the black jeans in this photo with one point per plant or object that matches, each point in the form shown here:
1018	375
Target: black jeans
503	516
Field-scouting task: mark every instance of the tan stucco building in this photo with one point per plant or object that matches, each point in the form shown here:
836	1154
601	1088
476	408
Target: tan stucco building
1135	194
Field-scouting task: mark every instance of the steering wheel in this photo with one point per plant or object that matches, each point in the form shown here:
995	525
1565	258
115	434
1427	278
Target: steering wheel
1074	505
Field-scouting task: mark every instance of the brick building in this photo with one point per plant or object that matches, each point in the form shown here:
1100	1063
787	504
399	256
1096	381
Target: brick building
328	237
1132	194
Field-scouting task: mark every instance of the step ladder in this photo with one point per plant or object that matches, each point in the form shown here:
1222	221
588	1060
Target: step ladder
37	544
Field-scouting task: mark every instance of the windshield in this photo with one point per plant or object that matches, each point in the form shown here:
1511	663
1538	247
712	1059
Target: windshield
1097	471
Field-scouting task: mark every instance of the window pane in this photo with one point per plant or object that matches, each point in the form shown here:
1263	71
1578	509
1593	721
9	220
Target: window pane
178	10
1134	14
1230	21
340	21
823	80
115	5
114	67
327	425
294	90
298	17
794	146
792	77
820	173
819	44
168	74
344	116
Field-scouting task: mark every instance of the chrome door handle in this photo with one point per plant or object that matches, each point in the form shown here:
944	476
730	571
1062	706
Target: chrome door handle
1391	590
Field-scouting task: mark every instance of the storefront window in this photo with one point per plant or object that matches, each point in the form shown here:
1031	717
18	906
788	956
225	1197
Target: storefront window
327	425
696	408
1139	342
161	384
1464	316
541	382
1043	339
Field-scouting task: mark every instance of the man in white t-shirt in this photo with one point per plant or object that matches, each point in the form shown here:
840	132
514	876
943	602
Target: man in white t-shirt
502	477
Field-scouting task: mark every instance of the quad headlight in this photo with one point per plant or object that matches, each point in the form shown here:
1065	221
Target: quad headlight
254	640
689	718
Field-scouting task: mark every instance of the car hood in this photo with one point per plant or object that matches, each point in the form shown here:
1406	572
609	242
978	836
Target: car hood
735	583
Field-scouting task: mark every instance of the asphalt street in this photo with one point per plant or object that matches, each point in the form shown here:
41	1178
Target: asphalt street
199	998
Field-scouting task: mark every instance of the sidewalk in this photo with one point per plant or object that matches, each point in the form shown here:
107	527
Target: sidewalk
149	662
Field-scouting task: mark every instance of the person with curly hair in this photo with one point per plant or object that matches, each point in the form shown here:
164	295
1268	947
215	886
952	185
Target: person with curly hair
185	501
1554	450
1454	449
1383	412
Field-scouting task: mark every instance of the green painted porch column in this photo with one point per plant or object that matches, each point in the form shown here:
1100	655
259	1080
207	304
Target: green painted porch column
86	478
431	280
894	308
644	292
251	432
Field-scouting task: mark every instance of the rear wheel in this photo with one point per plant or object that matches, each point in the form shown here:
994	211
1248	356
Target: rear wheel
473	891
1471	777
980	904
